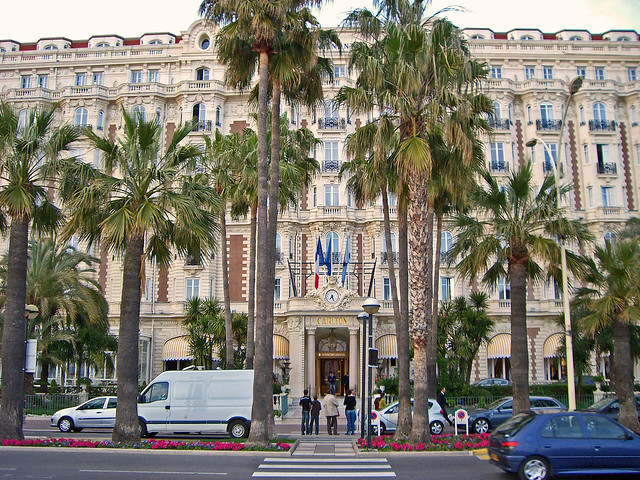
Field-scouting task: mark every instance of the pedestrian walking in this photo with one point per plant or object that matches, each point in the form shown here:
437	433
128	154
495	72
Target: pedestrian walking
442	401
305	403
331	380
315	414
332	413
345	382
350	411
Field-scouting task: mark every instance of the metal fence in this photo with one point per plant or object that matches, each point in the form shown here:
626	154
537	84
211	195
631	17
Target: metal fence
470	403
48	404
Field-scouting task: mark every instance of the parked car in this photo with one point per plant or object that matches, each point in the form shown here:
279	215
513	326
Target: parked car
389	417
98	412
489	417
539	446
610	407
492	382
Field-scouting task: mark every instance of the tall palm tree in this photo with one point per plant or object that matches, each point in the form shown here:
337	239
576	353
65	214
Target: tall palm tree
28	156
510	236
146	206
613	297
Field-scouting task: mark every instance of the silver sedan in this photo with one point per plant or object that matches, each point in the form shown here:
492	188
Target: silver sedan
98	412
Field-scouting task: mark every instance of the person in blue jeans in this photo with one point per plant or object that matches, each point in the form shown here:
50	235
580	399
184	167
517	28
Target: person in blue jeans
316	406
331	379
350	411
305	403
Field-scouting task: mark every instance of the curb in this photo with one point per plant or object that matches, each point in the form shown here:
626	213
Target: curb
481	451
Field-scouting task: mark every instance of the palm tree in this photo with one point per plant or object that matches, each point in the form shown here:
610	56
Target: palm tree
206	326
29	152
613	298
142	205
505	238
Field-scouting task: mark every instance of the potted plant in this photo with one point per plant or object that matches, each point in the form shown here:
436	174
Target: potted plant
598	379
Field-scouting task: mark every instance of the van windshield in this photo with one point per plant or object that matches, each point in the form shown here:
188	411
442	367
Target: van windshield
156	392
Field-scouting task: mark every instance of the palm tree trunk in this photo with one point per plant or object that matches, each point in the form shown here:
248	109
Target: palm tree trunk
262	380
519	343
422	303
622	374
126	427
228	334
14	333
403	428
251	307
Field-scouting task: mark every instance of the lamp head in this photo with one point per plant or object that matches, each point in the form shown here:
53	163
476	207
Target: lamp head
575	85
532	142
31	311
371	306
362	316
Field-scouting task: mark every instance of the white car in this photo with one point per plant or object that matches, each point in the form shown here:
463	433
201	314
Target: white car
98	412
389	417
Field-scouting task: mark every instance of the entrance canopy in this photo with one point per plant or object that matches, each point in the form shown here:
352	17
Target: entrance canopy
553	346
176	348
280	347
387	347
499	346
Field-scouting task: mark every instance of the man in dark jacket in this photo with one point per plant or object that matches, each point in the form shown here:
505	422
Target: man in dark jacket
305	403
442	401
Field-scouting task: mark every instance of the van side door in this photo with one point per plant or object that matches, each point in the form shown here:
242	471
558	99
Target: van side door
154	406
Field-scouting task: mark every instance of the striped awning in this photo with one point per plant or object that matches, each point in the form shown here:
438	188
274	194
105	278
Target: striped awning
177	348
387	346
499	346
280	347
553	346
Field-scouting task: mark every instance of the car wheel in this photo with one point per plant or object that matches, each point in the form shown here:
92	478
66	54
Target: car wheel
437	427
481	425
143	428
534	468
238	429
65	424
383	428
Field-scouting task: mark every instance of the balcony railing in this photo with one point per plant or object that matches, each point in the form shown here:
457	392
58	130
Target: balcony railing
202	126
548	125
602	125
385	257
329	123
609	168
330	166
499	167
499	123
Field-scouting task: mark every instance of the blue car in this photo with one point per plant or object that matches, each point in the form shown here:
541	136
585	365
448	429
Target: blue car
538	446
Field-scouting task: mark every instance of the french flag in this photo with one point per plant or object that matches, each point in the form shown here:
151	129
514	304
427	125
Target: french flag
319	261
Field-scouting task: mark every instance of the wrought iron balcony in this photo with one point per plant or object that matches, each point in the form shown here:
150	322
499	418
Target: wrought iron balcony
608	168
548	125
329	166
329	123
386	256
602	125
499	123
499	167
202	126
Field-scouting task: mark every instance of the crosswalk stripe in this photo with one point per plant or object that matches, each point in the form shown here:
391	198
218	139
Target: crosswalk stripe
315	467
327	467
324	474
322	460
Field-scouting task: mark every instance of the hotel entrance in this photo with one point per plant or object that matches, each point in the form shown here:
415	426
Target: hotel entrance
332	356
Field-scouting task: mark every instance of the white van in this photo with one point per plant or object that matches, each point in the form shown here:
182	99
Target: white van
212	401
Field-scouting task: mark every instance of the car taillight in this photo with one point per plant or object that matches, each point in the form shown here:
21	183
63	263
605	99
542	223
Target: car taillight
442	412
509	445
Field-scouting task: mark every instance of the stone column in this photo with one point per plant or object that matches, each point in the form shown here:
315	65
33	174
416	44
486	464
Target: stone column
311	361
354	354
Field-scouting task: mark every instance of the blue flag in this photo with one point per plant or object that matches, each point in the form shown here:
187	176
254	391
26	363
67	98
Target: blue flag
327	260
319	261
345	261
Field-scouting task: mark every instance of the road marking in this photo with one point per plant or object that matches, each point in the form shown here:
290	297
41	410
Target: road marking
311	467
326	467
324	460
324	474
7	469
153	472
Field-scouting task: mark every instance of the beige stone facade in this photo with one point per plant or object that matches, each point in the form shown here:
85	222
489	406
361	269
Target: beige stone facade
176	77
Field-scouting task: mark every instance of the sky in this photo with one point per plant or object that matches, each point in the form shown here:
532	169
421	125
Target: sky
80	19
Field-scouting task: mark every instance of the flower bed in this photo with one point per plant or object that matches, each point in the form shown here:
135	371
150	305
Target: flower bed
439	443
143	445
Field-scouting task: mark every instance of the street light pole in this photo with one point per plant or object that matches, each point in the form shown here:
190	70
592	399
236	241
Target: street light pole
574	86
363	318
371	307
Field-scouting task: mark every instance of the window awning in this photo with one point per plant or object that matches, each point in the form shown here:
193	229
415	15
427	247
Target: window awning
387	346
177	348
280	347
553	346
499	346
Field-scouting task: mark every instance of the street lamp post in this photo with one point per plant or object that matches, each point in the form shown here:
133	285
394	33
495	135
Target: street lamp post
574	86
371	307
363	318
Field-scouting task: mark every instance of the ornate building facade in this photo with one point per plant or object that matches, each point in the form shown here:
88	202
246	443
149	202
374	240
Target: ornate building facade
177	77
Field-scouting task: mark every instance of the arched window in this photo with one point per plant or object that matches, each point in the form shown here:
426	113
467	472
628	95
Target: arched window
278	248
51	47
158	113
80	117
575	38
155	41
477	37
446	242
102	45
599	112
546	112
205	42
22	119
497	111
526	37
100	125
394	246
582	120
623	39
335	246
609	237
202	73
218	116
529	115
139	113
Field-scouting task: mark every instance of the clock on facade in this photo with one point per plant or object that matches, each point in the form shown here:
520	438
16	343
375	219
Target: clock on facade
331	296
